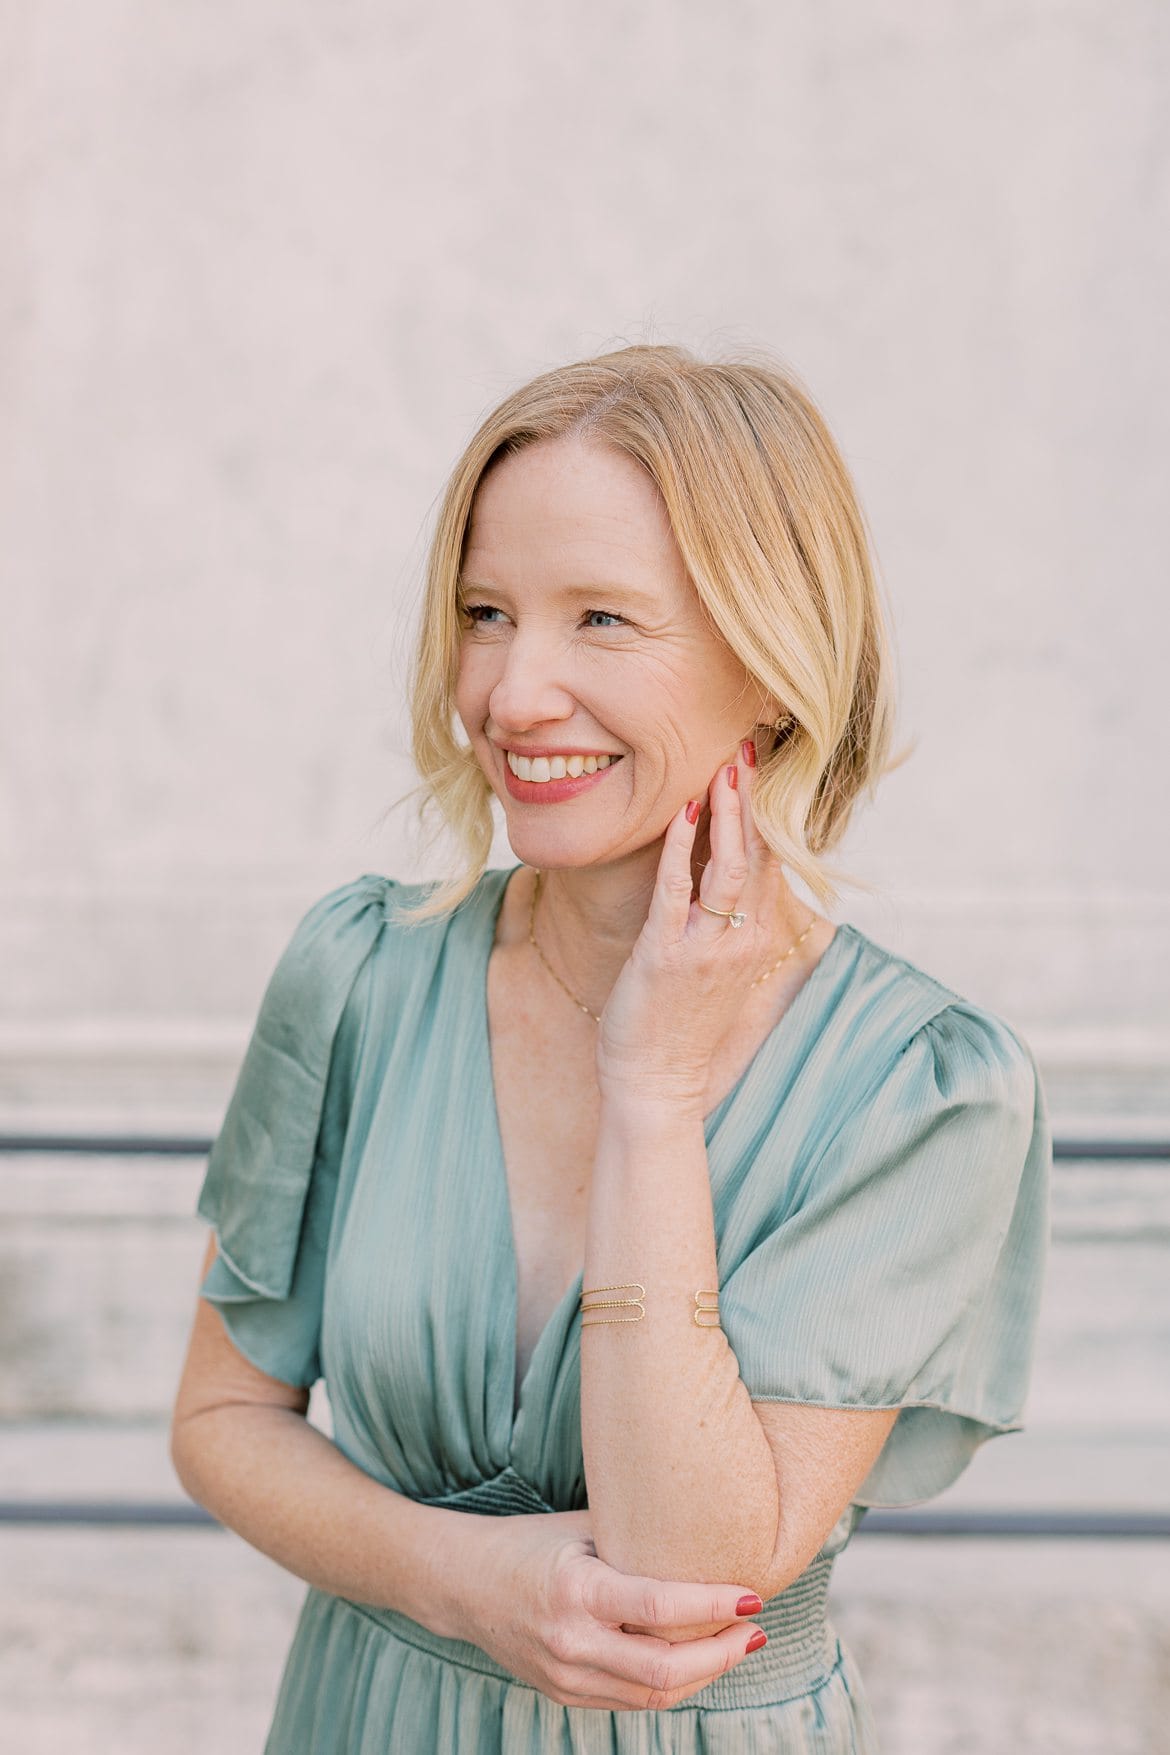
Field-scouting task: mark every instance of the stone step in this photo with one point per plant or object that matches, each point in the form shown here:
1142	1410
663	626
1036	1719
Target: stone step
148	1640
1087	1470
1040	1648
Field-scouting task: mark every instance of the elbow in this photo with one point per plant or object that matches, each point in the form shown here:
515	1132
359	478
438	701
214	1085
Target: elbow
723	1530
737	1557
217	1435
791	1556
190	1442
766	1574
181	1451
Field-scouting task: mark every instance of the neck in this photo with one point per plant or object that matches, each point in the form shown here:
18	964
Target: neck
588	918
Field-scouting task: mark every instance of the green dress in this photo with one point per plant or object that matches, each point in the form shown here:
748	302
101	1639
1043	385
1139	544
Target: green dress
879	1180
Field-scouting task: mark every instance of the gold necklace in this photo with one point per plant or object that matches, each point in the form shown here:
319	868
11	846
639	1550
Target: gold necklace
580	1004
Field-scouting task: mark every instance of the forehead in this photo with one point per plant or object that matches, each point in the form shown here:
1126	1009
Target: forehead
574	513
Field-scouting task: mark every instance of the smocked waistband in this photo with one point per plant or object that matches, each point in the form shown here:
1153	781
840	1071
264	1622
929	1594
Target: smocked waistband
798	1658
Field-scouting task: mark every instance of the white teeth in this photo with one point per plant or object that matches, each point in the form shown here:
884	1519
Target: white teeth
541	768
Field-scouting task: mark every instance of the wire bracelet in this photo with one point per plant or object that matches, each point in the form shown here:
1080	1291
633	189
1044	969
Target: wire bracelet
700	1314
612	1303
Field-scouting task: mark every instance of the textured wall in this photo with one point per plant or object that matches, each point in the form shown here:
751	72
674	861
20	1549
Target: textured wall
262	269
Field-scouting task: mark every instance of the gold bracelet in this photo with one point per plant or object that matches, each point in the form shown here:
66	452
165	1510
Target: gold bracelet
700	1311
612	1303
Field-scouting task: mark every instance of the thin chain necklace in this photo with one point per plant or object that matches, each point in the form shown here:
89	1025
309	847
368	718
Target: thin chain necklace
580	1003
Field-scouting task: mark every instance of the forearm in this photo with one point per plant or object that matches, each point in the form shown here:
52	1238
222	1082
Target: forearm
679	1472
288	1491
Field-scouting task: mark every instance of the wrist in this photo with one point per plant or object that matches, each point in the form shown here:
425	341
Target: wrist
634	1110
452	1576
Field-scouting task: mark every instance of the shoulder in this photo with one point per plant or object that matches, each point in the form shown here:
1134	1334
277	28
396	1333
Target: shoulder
328	945
370	920
960	1050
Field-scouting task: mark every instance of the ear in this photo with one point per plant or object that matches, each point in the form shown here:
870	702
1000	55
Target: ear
775	721
773	734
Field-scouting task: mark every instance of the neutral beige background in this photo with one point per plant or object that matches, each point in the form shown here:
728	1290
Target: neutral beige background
264	268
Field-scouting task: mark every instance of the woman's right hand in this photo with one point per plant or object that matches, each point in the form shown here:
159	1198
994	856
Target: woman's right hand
551	1613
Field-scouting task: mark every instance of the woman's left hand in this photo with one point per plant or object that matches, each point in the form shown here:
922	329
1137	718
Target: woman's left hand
687	976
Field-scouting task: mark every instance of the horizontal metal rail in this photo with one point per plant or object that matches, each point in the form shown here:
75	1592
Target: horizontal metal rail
115	1145
1064	1525
107	1145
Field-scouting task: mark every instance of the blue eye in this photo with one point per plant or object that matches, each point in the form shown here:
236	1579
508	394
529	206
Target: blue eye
478	613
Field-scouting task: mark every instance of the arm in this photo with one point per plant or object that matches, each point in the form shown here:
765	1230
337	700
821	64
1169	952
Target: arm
241	1447
529	1590
687	1479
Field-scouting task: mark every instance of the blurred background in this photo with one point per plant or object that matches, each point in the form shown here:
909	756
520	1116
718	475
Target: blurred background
262	270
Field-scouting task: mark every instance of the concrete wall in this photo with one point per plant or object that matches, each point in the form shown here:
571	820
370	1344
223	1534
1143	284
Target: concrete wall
265	267
262	269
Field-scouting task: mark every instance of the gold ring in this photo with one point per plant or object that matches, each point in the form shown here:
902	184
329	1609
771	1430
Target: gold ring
729	914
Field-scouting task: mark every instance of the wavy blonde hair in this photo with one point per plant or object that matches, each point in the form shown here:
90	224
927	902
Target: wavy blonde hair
769	526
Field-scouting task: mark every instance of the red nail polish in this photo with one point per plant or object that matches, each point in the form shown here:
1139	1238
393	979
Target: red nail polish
693	809
749	1604
749	752
758	1638
733	777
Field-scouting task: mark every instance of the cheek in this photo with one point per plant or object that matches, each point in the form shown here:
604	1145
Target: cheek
470	690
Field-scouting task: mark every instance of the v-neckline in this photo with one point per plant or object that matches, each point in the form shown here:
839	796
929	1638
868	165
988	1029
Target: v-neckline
711	1121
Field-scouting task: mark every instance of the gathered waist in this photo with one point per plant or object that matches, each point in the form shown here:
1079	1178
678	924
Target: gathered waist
801	1652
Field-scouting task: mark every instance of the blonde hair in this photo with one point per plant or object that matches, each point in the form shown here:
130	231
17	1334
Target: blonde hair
769	526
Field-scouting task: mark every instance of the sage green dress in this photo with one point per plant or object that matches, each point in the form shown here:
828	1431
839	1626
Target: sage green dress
879	1179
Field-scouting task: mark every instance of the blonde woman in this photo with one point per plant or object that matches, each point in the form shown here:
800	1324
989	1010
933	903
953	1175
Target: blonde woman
645	1224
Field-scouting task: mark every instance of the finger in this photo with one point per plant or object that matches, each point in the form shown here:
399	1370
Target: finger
723	880
757	849
670	903
614	1597
766	883
637	1664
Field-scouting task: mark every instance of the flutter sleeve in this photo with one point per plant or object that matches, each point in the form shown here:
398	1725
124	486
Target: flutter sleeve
272	1174
907	1270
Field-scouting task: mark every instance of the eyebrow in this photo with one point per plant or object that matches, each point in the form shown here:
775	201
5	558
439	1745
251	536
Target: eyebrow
573	593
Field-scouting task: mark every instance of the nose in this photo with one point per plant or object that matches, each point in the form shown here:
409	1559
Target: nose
527	691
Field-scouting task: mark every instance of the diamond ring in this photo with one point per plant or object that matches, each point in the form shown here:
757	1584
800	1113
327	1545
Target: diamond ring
732	917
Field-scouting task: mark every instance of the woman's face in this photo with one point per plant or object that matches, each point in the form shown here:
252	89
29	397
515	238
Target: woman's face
583	636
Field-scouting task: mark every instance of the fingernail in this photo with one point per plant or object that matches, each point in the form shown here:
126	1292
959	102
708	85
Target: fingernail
750	1604
758	1638
733	777
693	809
749	752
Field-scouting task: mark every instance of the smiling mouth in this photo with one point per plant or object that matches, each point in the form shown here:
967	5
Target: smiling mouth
542	768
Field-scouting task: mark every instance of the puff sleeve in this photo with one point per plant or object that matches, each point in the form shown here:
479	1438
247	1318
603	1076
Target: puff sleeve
272	1174
907	1269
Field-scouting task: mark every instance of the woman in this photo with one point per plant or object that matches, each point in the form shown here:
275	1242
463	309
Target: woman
632	1081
